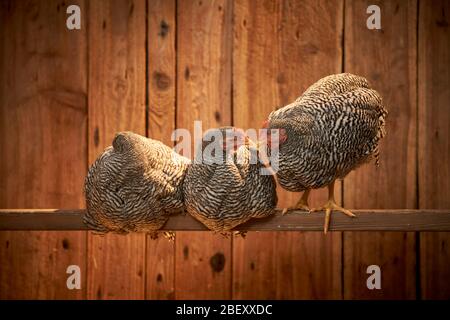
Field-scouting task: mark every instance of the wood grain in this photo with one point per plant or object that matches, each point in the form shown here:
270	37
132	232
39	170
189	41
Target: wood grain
160	266
161	77
161	69
369	220
204	64
286	265
64	94
203	93
116	103
281	48
43	133
387	58
393	252
434	142
203	266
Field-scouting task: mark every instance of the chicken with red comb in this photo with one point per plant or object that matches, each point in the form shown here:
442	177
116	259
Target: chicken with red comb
332	129
224	186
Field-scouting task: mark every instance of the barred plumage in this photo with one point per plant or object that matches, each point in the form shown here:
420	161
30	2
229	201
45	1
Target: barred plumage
134	185
225	195
333	128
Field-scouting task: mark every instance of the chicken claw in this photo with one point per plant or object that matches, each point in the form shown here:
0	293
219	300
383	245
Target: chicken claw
302	204
328	208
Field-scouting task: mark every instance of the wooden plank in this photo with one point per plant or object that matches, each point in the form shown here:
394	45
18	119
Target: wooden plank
116	103
366	220
281	48
434	142
203	93
43	129
203	266
161	77
434	265
387	58
295	273
160	268
393	252
161	69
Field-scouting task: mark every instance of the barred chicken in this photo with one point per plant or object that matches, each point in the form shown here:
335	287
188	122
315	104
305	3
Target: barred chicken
134	186
224	187
333	128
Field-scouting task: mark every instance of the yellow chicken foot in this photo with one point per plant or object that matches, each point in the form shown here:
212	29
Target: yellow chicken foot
330	206
302	204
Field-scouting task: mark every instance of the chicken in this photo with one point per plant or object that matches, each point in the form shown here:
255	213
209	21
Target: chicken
224	186
333	128
134	186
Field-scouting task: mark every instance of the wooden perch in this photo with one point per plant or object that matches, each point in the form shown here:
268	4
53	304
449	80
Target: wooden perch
366	220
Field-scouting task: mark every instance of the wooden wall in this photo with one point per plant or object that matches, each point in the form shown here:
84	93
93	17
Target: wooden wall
151	66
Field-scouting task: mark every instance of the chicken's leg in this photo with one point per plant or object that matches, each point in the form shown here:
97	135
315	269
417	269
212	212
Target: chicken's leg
302	204
331	205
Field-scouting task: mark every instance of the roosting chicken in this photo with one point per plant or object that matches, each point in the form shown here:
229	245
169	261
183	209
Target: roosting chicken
225	187
134	186
333	128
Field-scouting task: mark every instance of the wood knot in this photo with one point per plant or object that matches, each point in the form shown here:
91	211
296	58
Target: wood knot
65	244
217	116
130	12
162	80
186	252
217	262
163	29
281	78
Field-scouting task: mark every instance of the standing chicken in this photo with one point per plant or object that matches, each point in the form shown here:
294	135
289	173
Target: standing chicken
333	128
224	187
135	185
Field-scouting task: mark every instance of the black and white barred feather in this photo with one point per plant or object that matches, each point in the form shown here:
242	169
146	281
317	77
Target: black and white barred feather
222	196
334	127
134	185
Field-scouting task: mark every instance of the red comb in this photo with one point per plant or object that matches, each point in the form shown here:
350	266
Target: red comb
265	124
